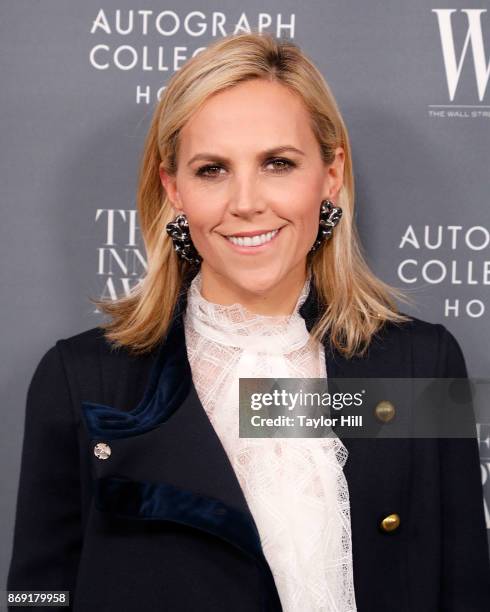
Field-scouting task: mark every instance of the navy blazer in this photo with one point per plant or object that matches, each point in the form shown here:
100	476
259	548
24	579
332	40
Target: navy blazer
162	523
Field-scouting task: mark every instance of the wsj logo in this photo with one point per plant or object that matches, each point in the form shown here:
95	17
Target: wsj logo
474	39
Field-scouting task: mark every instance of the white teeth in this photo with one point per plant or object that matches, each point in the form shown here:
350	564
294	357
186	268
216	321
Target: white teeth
252	240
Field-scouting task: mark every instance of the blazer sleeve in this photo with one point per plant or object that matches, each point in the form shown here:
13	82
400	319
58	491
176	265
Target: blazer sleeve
48	534
466	566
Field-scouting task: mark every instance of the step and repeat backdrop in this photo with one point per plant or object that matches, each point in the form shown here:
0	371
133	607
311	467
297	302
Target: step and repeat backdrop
79	84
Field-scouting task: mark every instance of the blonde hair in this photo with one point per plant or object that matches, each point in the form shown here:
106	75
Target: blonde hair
357	303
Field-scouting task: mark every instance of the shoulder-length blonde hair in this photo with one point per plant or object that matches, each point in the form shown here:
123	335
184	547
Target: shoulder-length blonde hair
356	302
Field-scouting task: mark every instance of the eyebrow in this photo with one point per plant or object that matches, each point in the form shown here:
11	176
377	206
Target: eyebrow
263	154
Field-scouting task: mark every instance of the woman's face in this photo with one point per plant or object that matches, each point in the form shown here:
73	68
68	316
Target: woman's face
249	164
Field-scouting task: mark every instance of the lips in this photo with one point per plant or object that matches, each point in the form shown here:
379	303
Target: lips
252	233
255	243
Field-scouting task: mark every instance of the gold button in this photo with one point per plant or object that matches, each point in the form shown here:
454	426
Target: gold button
390	522
102	450
385	411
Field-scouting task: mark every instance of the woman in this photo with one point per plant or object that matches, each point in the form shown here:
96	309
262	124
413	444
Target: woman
136	491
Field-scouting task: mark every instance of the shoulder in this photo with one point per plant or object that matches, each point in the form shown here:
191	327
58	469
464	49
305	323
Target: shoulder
414	328
91	347
87	343
431	348
95	369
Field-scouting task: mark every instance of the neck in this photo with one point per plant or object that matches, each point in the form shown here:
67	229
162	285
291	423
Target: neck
271	299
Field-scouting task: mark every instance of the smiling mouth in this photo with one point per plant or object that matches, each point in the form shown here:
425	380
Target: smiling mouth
253	241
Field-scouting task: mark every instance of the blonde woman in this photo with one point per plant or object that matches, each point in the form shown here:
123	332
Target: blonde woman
136	491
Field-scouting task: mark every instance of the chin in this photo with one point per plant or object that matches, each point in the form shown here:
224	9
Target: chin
255	281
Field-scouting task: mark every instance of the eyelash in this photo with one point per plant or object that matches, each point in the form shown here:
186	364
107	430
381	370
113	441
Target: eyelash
289	164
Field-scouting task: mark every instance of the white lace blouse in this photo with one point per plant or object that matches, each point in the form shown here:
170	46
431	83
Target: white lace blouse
295	488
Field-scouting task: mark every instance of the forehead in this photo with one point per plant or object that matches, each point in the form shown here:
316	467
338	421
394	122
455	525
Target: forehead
252	115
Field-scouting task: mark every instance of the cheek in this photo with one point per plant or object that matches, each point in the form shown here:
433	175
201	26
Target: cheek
305	216
203	218
202	212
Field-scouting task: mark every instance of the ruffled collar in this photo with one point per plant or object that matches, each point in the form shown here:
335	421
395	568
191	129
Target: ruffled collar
235	325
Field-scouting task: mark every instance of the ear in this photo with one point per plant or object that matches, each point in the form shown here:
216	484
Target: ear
334	175
169	183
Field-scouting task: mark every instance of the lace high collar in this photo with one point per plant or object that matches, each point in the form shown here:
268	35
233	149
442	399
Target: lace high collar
235	325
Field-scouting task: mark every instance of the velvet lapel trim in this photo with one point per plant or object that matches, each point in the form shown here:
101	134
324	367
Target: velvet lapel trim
125	498
149	501
169	384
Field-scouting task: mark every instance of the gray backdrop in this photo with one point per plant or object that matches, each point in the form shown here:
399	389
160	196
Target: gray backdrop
76	99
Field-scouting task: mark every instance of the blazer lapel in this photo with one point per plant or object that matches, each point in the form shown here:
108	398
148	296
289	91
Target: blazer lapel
338	366
166	461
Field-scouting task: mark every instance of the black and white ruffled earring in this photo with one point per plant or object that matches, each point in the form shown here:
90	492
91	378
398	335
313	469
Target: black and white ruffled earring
329	217
178	230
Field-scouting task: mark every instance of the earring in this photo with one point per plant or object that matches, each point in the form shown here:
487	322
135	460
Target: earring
329	217
178	230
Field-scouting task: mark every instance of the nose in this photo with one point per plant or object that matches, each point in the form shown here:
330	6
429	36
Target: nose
245	198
